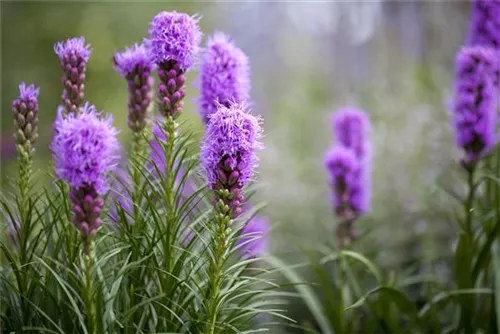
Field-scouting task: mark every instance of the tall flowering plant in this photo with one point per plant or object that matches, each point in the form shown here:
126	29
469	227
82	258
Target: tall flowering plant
100	250
349	166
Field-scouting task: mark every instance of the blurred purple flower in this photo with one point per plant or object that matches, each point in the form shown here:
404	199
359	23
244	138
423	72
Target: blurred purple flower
135	65
352	127
344	169
475	102
224	75
74	55
254	237
174	40
228	152
121	195
485	24
8	147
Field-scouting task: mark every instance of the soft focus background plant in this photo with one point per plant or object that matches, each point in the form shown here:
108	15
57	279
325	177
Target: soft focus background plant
396	60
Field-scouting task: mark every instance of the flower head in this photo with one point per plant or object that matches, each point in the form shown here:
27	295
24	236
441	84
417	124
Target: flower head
28	93
136	58
175	36
225	75
74	55
476	101
85	149
485	23
73	50
231	141
25	112
352	127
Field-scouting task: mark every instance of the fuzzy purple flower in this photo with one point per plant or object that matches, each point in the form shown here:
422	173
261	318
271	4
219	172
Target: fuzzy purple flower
74	55
175	37
225	75
228	153
135	65
352	127
254	237
174	40
475	103
485	24
25	112
85	150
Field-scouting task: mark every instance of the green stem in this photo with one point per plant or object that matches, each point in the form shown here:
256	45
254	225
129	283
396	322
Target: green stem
469	203
220	245
24	181
89	303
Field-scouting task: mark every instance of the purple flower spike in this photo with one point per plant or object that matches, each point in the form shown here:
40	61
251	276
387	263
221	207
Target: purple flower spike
476	102
135	65
228	153
85	150
485	24
74	56
254	237
174	40
25	112
225	75
352	127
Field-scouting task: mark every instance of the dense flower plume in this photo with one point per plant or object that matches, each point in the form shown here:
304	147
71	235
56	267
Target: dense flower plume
175	37
74	55
485	24
85	149
135	65
25	112
476	102
224	75
228	152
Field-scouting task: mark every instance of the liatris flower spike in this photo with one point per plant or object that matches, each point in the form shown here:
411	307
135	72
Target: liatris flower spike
485	24
174	39
352	127
229	154
225	75
135	65
74	56
25	111
475	103
85	150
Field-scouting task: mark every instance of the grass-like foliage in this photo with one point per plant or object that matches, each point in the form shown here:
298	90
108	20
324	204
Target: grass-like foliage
152	265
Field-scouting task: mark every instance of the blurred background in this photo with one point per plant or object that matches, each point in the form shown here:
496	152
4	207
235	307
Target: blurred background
394	59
